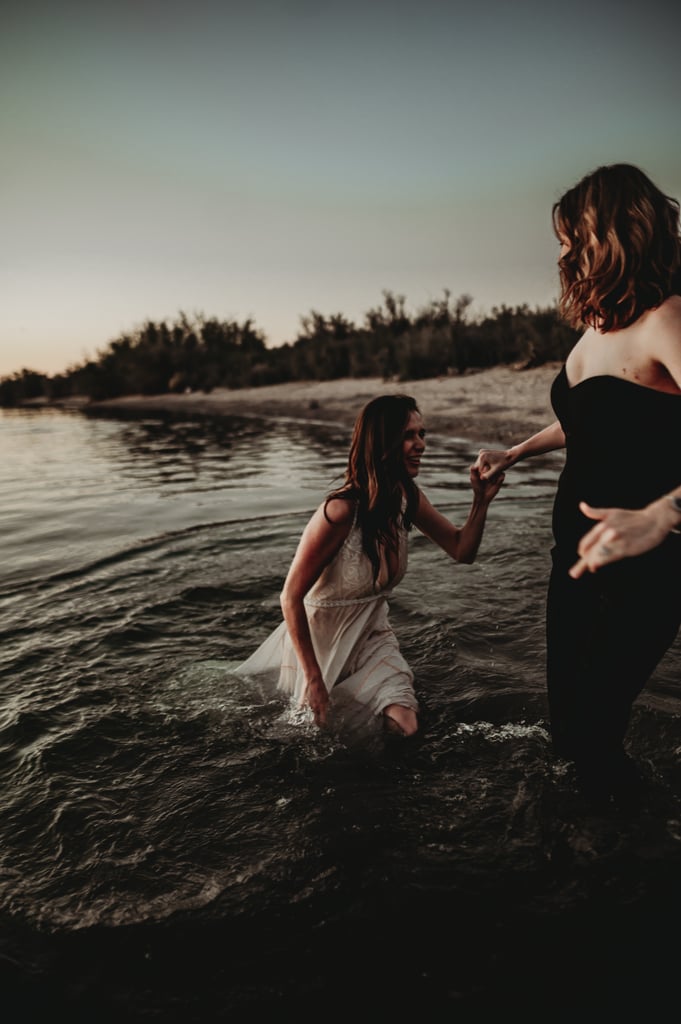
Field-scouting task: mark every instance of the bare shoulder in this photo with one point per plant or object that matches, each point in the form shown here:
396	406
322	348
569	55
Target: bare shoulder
574	362
666	317
663	340
338	511
663	329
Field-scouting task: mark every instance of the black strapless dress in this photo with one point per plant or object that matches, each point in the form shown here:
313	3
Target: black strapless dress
607	631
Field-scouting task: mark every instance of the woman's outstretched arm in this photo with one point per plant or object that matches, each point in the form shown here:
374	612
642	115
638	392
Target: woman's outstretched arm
460	542
492	461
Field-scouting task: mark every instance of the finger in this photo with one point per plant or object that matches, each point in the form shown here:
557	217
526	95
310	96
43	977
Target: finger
592	513
590	539
579	568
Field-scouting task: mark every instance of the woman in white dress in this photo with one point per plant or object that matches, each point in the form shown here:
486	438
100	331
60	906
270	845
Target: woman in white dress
335	651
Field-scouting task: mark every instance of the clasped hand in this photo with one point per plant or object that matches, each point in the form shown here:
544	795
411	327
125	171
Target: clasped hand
485	488
490	464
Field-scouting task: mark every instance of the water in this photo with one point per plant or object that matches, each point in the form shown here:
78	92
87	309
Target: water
174	847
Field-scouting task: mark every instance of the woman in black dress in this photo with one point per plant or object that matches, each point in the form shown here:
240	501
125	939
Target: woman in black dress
618	405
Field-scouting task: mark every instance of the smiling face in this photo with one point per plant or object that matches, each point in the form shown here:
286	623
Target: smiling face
413	444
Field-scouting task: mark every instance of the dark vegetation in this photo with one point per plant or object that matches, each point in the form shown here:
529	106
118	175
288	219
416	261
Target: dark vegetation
200	353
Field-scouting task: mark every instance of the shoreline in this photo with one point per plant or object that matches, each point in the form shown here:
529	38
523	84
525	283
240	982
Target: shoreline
502	404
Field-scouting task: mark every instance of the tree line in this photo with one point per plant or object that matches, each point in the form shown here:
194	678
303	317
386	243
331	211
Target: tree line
199	353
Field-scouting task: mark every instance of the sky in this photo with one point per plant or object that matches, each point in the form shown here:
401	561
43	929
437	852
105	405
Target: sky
263	159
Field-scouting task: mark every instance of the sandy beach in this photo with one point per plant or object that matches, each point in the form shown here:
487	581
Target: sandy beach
498	405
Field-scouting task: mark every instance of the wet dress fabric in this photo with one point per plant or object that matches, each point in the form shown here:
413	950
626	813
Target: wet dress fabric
607	631
353	640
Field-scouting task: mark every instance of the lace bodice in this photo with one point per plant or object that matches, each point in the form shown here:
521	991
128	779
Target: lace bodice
348	579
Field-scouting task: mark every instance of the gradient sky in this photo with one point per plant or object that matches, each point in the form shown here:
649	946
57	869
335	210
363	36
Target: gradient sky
262	159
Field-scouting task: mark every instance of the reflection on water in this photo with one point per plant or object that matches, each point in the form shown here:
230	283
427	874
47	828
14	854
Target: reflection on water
147	788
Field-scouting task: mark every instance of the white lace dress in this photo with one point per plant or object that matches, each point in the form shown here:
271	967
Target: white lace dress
355	645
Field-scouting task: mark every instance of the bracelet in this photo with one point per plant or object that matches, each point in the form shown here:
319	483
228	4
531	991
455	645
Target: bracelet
676	505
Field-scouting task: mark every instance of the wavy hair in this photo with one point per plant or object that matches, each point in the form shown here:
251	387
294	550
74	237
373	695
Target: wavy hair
625	249
375	476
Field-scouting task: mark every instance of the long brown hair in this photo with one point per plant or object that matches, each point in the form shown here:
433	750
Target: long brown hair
625	249
375	476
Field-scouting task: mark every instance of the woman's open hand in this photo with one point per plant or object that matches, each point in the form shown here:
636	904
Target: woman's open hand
621	533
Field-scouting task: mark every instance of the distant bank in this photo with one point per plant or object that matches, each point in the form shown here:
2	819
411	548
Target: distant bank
501	404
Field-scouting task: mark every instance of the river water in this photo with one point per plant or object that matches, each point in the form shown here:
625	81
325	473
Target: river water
175	846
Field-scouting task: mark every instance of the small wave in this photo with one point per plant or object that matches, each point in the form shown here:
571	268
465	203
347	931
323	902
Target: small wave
496	733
